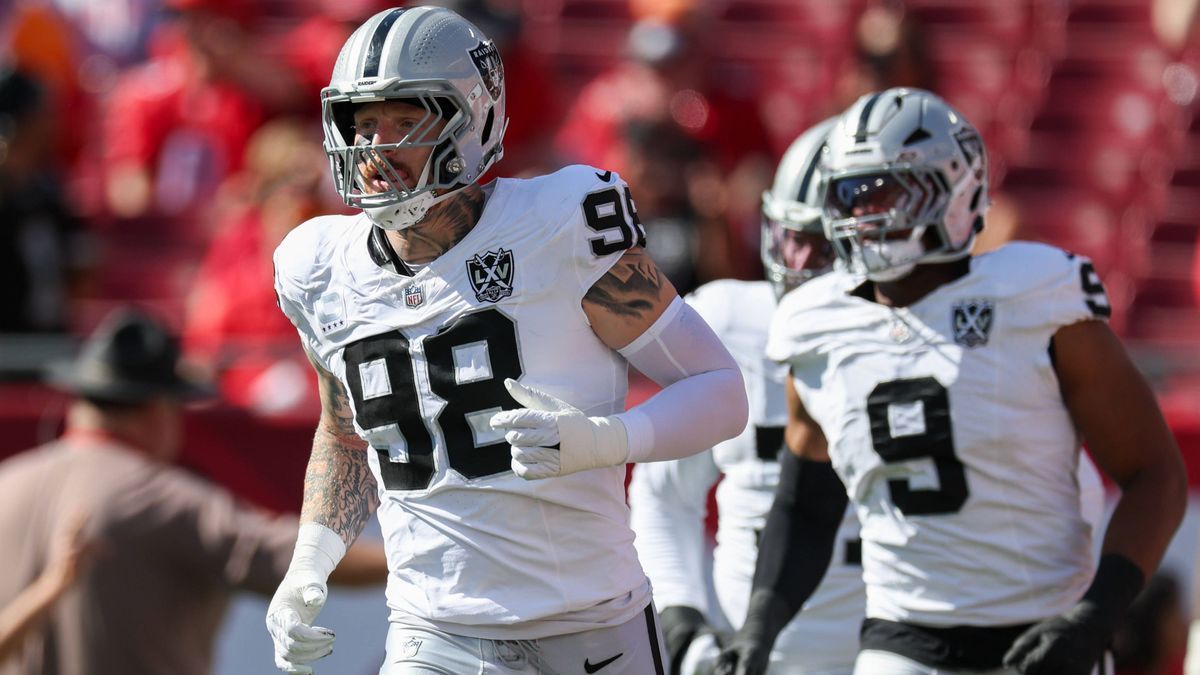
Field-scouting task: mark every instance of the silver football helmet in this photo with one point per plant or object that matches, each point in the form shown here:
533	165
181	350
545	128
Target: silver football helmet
431	58
794	248
905	183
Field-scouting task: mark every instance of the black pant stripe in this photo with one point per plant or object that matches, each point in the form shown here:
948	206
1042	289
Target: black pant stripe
652	632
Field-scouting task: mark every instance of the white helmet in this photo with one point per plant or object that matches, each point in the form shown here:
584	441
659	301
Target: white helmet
905	183
794	248
428	57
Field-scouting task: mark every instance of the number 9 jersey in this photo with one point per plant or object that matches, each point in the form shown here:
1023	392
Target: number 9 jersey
473	549
945	423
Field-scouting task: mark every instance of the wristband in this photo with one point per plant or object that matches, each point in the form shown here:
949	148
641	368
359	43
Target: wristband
1116	585
318	548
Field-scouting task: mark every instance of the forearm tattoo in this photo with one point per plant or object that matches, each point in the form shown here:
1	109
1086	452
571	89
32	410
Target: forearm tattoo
339	490
630	288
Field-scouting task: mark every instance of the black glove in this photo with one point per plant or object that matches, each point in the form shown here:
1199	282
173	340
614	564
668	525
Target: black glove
748	651
1074	642
680	625
745	655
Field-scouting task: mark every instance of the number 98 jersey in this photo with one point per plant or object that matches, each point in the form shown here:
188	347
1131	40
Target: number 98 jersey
946	425
473	549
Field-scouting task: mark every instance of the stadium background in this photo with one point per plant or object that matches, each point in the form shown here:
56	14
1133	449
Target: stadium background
176	140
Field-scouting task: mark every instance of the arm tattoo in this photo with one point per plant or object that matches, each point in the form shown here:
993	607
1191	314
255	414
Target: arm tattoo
339	490
630	288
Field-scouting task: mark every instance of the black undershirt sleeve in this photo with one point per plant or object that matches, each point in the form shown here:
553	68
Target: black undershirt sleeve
796	546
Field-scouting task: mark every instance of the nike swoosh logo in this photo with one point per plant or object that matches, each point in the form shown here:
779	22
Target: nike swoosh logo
590	667
604	177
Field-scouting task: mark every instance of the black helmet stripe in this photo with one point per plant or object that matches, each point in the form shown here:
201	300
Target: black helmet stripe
375	49
813	161
861	135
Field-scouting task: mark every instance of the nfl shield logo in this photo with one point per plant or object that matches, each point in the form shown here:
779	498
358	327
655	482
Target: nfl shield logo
491	275
972	322
413	296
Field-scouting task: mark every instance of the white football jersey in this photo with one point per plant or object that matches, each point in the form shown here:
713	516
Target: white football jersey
473	549
946	424
668	501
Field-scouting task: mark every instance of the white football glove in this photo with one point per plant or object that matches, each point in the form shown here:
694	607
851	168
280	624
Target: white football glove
550	437
299	598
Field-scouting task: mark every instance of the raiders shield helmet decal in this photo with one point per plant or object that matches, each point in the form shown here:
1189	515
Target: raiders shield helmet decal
491	70
972	322
491	275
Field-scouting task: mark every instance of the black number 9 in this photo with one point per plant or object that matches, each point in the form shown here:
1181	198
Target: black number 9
1097	298
603	212
930	437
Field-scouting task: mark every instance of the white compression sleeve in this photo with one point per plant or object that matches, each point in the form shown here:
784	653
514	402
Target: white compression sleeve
703	400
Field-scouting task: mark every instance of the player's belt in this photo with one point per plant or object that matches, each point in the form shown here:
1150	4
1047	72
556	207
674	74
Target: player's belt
951	647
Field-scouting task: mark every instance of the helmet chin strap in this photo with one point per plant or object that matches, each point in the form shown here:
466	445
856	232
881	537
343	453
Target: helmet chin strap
411	211
889	261
403	215
891	273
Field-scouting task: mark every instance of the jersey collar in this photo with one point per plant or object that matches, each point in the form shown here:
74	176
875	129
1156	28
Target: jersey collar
382	253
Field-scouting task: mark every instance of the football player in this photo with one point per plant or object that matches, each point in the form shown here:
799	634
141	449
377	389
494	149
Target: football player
668	499
471	339
950	394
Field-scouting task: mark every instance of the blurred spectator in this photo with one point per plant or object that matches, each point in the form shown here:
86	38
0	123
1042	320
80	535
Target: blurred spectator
1153	637
176	547
688	240
1174	21
69	554
310	47
233	323
889	51
1196	275
45	46
670	74
117	29
178	124
41	243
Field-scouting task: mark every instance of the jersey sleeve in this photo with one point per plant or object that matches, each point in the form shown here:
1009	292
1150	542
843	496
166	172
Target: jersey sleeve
603	223
1054	288
292	268
667	502
788	338
1082	295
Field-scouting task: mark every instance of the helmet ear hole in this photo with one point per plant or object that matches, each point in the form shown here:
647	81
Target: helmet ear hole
343	118
487	125
976	197
978	224
444	107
